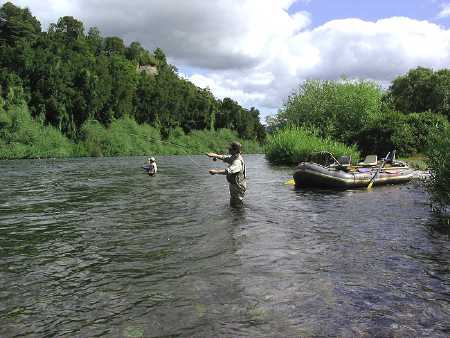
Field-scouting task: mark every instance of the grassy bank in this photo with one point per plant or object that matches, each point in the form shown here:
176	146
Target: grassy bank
417	162
295	144
126	137
22	136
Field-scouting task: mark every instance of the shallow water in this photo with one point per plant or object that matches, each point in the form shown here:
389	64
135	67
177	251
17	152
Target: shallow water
96	248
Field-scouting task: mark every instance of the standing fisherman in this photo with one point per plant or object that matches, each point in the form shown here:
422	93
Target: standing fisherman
151	165
235	172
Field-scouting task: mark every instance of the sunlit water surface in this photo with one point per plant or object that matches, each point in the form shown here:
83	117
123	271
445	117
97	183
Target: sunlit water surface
96	248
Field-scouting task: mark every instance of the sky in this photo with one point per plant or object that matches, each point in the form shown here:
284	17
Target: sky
258	52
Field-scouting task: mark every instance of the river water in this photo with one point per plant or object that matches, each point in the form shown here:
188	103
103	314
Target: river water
96	248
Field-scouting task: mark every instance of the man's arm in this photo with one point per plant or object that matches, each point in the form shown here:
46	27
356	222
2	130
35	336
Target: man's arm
214	155
217	172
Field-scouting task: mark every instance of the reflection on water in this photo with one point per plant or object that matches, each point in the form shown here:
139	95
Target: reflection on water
96	248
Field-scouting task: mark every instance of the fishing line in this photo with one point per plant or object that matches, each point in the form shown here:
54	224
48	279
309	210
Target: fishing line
178	145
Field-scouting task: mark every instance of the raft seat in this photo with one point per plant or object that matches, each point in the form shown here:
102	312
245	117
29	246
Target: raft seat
369	160
343	163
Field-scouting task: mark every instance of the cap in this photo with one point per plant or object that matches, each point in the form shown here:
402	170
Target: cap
236	146
151	159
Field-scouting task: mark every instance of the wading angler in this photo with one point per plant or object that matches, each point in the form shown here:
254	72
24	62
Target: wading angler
235	172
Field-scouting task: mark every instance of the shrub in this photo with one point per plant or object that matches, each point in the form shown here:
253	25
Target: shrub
125	137
439	164
202	141
408	134
294	144
338	109
424	126
24	137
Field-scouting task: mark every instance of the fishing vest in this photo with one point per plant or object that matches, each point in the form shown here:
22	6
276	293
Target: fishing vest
239	177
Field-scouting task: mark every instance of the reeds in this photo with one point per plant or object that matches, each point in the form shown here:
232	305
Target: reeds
22	136
296	144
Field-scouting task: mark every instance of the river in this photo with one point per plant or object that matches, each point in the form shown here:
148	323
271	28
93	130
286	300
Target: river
94	247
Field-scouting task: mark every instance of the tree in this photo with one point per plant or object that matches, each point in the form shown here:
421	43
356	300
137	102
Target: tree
338	109
114	45
136	53
95	40
68	78
420	90
160	56
68	28
17	24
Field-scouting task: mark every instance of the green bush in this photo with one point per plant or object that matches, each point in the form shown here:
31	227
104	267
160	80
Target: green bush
23	137
202	141
125	137
408	134
294	144
424	126
439	164
337	109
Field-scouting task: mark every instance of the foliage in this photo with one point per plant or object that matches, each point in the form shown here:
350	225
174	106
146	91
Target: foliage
17	24
408	134
336	109
69	77
123	137
417	162
230	115
424	126
202	141
292	145
23	137
439	164
387	132
358	112
420	90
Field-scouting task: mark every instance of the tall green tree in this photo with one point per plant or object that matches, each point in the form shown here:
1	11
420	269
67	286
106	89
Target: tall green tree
17	24
68	78
420	90
339	109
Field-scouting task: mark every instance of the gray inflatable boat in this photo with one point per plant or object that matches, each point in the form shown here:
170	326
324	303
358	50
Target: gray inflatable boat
337	177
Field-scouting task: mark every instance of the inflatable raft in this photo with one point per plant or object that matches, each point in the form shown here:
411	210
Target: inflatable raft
335	177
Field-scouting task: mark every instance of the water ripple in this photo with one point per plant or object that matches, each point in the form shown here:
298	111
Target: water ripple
96	248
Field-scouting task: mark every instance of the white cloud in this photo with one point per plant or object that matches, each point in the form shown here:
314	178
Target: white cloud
217	34
254	51
354	48
445	11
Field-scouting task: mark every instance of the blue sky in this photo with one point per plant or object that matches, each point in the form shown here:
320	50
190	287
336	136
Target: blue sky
257	52
323	11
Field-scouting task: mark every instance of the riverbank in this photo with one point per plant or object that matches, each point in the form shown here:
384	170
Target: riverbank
292	145
23	137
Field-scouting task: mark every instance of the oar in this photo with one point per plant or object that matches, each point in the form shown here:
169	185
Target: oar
372	180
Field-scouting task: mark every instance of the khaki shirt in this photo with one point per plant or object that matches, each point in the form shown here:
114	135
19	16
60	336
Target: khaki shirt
236	170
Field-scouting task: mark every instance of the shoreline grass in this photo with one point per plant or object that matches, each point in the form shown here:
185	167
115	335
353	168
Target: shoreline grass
23	137
292	145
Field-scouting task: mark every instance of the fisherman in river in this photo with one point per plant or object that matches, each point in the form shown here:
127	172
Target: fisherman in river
151	166
235	172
